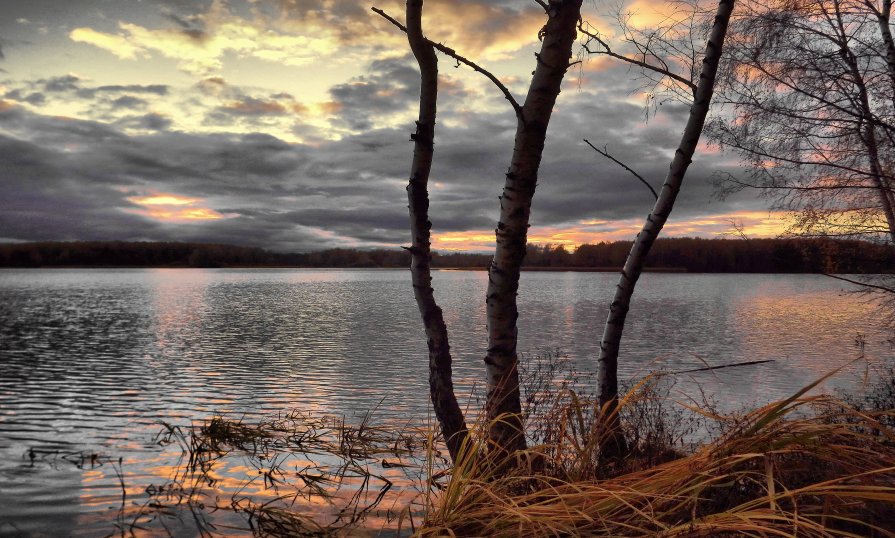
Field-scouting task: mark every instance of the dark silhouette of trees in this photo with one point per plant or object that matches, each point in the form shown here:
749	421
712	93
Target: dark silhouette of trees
684	254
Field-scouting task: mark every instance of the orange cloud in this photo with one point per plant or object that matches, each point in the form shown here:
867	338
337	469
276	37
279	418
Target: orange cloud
163	199
481	30
254	107
168	207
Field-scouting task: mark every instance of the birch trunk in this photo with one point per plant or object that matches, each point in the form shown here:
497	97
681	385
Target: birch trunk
441	388
503	408
607	374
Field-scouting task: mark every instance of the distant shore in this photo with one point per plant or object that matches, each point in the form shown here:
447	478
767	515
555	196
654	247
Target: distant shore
671	255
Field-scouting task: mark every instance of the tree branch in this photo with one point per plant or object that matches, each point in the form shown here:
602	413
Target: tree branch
460	59
642	64
857	283
606	154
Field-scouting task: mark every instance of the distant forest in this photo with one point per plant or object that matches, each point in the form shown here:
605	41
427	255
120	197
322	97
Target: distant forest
673	254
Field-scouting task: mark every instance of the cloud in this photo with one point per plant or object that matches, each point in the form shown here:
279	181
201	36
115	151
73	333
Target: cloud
65	83
117	44
128	102
250	106
391	86
146	122
156	89
200	44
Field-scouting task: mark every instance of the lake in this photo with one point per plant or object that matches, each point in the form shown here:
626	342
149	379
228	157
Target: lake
92	359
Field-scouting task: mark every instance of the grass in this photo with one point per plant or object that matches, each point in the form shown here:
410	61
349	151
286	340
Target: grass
804	466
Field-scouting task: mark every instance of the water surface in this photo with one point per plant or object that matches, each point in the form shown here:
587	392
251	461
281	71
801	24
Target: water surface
92	360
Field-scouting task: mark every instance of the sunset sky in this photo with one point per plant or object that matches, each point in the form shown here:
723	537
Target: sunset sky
285	125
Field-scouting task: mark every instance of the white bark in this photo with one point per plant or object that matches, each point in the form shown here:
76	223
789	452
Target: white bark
607	376
503	407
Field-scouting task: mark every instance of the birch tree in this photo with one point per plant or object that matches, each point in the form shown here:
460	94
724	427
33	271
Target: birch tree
503	405
702	88
441	387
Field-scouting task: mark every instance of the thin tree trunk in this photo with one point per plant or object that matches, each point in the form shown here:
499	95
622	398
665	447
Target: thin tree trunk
503	408
441	387
868	136
607	375
883	16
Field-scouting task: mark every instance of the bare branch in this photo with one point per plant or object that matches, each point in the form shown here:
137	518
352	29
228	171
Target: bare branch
605	153
863	284
664	71
460	59
738	229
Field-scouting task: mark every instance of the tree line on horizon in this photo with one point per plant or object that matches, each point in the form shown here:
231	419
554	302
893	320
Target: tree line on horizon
794	255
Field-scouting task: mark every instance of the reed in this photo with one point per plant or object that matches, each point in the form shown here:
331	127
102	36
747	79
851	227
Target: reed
804	466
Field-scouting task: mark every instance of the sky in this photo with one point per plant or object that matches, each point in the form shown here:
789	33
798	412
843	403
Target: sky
285	124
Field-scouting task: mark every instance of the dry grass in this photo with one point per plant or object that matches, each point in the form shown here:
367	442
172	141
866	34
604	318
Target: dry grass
805	466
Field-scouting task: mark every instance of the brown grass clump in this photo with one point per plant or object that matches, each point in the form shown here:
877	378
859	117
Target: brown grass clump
805	466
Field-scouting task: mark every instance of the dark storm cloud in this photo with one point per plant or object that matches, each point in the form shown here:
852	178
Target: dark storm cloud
64	185
190	24
65	83
42	199
146	122
34	98
73	84
157	89
128	102
390	86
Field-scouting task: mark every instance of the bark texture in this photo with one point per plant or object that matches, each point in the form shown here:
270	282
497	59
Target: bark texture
441	387
607	376
503	408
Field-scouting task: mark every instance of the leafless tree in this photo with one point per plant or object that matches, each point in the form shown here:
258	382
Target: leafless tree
809	98
653	57
441	387
503	408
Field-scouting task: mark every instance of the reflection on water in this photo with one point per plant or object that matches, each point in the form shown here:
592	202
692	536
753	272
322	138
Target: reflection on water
91	360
